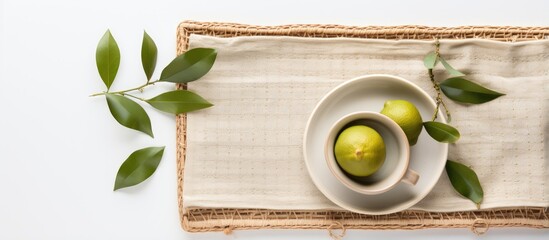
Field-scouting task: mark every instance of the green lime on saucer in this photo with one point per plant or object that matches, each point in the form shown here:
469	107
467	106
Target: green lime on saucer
406	115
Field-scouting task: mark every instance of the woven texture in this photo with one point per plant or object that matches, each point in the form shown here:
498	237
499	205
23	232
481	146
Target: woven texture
195	215
246	152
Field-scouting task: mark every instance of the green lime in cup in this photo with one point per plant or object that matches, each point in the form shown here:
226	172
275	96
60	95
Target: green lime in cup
359	150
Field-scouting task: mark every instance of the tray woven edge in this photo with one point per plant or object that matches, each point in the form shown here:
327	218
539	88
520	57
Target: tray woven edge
217	219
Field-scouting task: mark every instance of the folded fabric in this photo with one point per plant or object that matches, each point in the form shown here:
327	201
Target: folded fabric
246	151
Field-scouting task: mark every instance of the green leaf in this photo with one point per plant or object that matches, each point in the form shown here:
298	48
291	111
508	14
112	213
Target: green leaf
129	113
139	166
179	101
430	60
465	181
465	91
107	58
148	55
442	132
189	66
452	71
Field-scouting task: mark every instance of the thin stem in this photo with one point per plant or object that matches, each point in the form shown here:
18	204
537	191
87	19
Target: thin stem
139	88
98	94
438	97
129	95
436	86
448	115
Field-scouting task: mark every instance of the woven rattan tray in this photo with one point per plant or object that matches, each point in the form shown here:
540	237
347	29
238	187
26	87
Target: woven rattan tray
210	219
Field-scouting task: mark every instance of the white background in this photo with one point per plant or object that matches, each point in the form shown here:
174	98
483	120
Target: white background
60	149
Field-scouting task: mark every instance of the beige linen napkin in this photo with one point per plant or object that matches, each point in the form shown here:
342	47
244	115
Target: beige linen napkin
246	151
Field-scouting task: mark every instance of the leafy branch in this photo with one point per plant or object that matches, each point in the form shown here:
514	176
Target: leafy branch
188	67
430	61
464	179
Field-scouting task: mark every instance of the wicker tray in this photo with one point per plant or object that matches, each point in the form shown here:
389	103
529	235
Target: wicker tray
214	219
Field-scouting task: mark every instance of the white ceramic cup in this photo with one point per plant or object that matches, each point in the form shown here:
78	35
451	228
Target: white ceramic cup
395	167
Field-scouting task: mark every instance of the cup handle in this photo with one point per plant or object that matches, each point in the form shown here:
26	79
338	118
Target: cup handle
410	177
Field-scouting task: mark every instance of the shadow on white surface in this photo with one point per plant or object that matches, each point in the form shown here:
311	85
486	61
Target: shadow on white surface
492	234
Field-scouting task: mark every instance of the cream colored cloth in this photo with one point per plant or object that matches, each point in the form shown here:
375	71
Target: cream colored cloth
246	151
